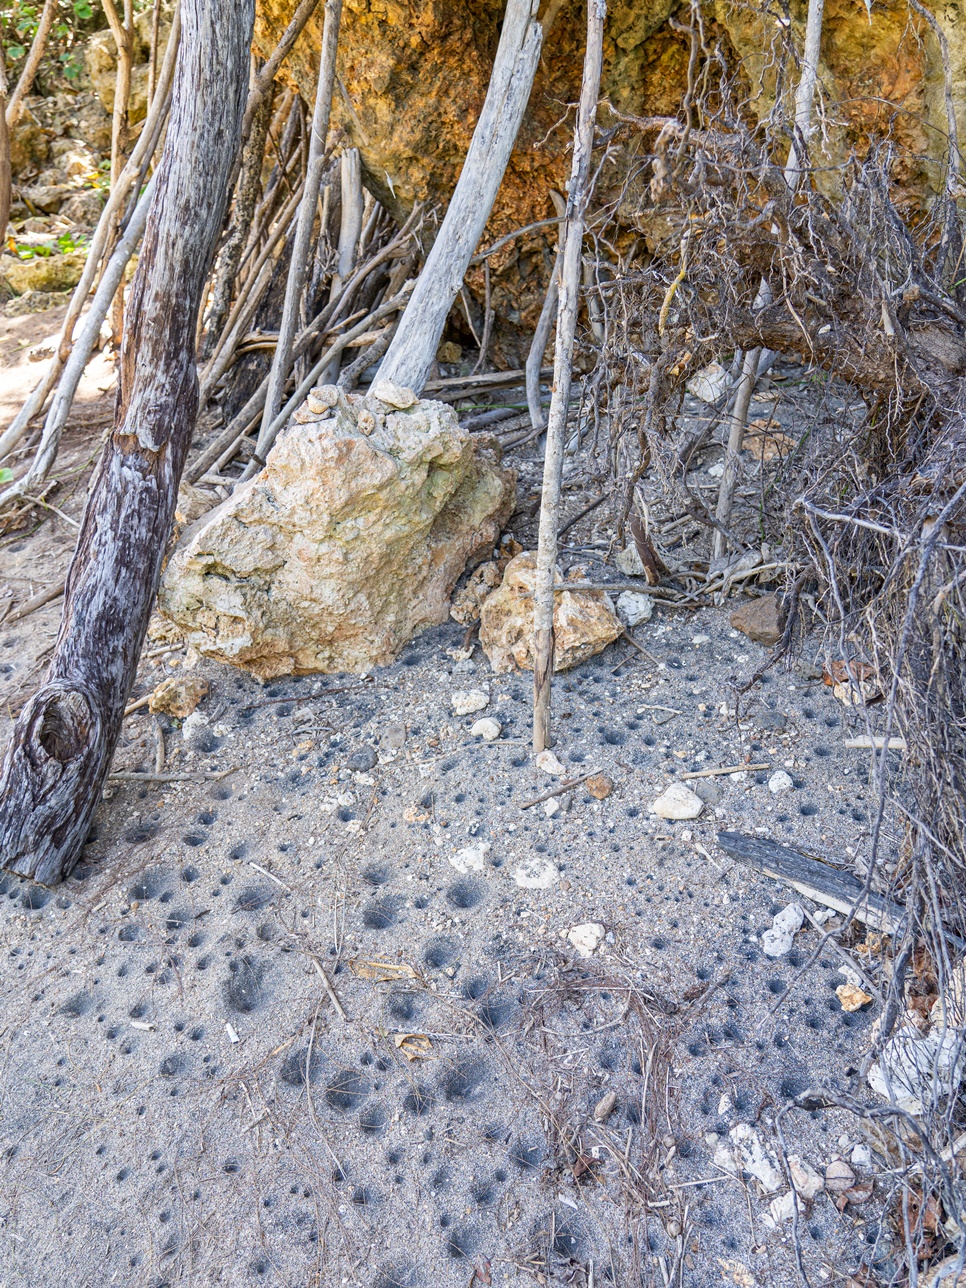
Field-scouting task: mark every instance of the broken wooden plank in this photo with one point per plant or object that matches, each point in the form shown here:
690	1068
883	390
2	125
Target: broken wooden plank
834	887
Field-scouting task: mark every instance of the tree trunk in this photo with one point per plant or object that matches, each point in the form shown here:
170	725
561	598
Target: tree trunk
414	345
572	237
37	47
65	736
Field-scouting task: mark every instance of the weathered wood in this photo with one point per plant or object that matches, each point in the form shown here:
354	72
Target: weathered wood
35	54
834	887
299	263
569	299
64	738
414	345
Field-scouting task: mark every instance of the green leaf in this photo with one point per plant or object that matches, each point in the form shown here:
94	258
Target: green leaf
16	51
6	476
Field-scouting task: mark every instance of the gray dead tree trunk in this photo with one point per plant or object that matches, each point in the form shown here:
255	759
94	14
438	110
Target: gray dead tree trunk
414	345
569	301
64	737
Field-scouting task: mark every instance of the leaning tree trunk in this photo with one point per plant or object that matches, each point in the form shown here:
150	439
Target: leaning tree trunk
414	345
65	736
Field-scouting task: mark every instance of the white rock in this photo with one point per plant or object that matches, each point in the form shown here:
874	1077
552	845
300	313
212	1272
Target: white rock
393	395
698	640
861	1156
472	859
551	807
549	763
756	1159
465	703
678	801
536	873
635	608
806	1180
710	383
716	470
777	940
586	938
783	1208
489	729
725	1105
630	562
780	782
193	725
916	1068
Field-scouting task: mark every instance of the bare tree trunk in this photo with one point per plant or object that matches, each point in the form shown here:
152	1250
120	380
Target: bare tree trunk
541	334
298	266
414	345
65	736
569	293
6	177
37	47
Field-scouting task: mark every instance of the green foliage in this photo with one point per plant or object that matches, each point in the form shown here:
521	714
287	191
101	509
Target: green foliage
75	20
6	476
65	243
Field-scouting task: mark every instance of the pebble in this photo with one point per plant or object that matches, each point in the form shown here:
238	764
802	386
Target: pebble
549	763
839	1176
780	782
605	1107
861	1156
362	761
600	786
587	939
635	608
677	802
551	807
488	729
630	563
806	1180
466	702
472	859
393	737
536	873
852	997
776	941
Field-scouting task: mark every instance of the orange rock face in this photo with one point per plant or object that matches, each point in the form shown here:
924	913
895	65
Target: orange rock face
413	76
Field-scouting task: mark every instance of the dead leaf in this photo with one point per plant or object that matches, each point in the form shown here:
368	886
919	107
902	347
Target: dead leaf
860	1193
381	972
738	1273
766	444
414	1046
583	1167
605	1107
847	672
852	997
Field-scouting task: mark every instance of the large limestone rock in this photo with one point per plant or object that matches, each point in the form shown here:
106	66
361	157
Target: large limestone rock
347	544
584	621
44	273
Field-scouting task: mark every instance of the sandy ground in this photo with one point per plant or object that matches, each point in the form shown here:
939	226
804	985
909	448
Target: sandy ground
204	1080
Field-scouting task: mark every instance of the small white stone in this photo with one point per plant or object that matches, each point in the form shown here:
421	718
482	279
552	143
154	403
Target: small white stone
635	608
861	1156
323	398
551	807
710	383
393	395
472	859
715	471
630	562
698	640
678	802
780	782
586	938
782	1209
549	763
465	703
488	729
536	873
806	1180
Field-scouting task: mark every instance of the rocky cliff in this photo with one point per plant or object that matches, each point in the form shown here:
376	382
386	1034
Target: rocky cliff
413	76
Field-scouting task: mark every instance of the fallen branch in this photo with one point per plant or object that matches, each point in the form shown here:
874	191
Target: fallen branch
559	789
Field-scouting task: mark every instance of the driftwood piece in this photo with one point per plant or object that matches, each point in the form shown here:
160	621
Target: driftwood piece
414	345
569	290
299	263
64	738
834	887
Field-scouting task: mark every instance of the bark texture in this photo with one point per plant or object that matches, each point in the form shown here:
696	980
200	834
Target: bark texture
65	736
